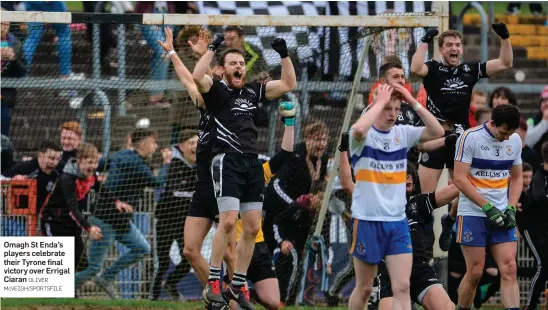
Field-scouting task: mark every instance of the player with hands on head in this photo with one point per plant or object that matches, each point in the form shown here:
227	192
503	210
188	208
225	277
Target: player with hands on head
488	173
239	184
379	158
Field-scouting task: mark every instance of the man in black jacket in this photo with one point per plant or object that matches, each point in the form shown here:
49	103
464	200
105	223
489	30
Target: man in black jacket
62	215
13	66
290	203
43	169
172	210
535	228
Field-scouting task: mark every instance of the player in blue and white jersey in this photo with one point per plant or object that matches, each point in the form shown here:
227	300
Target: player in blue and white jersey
489	176
379	158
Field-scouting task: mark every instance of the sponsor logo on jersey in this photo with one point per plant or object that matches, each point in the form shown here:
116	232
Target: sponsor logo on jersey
454	84
243	105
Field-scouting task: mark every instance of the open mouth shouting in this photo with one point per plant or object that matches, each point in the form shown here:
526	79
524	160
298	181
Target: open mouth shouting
454	57
238	76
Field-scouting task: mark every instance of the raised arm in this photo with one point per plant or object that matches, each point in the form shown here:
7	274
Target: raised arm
182	72
418	67
432	127
506	56
345	173
366	120
200	77
288	82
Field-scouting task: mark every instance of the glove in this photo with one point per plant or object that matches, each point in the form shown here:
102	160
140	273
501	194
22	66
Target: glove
451	140
280	47
429	35
510	217
501	30
216	42
344	142
287	110
494	215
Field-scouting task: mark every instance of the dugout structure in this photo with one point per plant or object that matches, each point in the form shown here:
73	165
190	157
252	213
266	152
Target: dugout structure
107	71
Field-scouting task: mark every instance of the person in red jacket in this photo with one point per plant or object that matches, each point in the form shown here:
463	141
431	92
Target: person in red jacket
479	99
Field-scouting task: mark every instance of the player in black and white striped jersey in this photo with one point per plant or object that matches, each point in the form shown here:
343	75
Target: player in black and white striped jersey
237	172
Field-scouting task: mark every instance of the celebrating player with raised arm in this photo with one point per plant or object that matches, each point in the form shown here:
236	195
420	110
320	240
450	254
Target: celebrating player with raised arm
237	172
449	84
379	158
487	171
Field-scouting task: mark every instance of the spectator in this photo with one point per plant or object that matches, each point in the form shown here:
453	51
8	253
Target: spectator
62	216
43	169
129	174
514	8
13	66
71	137
254	61
8	158
153	33
528	155
502	95
535	229
537	132
478	100
172	211
36	30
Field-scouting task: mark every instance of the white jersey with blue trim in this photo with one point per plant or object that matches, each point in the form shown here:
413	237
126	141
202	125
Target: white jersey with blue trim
380	165
490	163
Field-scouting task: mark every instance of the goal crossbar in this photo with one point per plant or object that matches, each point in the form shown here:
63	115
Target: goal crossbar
431	19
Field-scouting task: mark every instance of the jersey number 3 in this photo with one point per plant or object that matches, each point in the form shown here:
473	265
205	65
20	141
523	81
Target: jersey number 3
497	152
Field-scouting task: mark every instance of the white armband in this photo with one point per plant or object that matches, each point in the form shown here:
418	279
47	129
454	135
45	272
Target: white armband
170	53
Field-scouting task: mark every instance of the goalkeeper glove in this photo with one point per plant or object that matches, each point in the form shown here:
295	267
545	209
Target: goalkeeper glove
501	30
280	47
344	142
429	35
287	110
494	215
510	217
218	39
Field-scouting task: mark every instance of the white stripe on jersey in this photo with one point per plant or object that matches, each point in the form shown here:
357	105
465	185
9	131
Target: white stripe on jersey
490	163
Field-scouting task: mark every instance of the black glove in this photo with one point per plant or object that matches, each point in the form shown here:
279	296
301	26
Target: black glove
280	47
344	142
510	217
429	35
501	30
216	42
451	140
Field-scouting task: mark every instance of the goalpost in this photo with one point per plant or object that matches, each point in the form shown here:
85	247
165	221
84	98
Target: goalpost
114	80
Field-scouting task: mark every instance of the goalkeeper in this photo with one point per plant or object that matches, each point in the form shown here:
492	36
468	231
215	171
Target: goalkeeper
488	174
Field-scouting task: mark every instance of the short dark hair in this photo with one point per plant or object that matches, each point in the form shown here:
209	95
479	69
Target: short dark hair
186	134
230	51
506	115
389	65
49	145
526	167
506	92
239	30
314	128
142	133
544	151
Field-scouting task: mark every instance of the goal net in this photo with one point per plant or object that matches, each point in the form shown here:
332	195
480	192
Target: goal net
103	78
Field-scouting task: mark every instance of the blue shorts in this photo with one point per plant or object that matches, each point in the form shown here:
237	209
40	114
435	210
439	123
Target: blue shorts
373	240
478	231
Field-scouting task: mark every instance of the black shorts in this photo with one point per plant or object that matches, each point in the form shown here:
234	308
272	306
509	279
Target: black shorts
261	266
423	277
439	159
203	203
239	176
